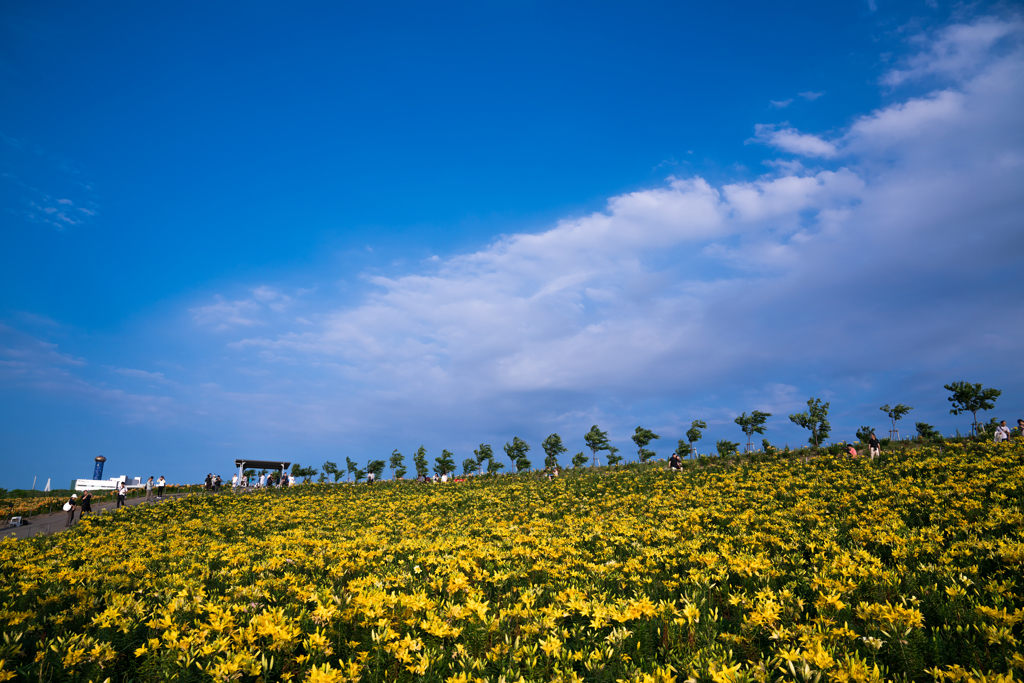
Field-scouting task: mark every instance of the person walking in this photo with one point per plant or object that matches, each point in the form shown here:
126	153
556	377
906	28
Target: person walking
160	484
86	503
122	492
149	490
1002	432
263	479
874	446
234	482
70	507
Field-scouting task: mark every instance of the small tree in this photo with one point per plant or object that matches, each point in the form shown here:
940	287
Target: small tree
642	438
766	447
359	474
613	456
331	468
350	466
516	452
971	398
485	452
579	460
444	464
420	460
726	447
683	448
927	432
306	473
493	466
596	440
752	425
376	466
815	418
694	433
864	433
397	462
469	466
896	413
553	447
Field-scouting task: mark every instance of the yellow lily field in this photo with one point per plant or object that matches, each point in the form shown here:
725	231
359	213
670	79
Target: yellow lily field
760	568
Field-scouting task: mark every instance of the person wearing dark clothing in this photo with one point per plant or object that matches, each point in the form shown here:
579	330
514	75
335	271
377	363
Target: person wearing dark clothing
874	445
70	506
122	492
86	503
674	463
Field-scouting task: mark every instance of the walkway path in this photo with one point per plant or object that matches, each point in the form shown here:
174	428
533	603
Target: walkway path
54	522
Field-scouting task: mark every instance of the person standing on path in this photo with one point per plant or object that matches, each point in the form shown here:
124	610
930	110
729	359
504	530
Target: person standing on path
70	507
874	445
122	491
86	503
149	490
160	484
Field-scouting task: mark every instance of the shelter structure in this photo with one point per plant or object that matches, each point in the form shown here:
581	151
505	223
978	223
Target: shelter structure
242	465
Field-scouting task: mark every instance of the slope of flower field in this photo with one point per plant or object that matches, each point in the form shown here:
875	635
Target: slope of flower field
907	568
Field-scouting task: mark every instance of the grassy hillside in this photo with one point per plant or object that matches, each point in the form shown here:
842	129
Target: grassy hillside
906	568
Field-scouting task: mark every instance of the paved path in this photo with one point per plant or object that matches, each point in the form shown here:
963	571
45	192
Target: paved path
54	522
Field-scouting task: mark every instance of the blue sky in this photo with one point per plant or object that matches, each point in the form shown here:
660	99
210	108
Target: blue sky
248	230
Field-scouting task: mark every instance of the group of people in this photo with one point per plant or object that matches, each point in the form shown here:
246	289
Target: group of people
1003	432
160	484
426	478
264	481
84	503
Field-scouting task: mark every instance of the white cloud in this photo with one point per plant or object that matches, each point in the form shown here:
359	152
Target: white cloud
223	314
791	140
957	51
155	377
781	104
36	365
810	95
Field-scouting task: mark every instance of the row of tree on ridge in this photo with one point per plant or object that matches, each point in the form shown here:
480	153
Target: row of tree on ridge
964	397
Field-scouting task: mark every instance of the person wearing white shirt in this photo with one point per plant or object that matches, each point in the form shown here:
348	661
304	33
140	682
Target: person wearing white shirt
1002	432
263	480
